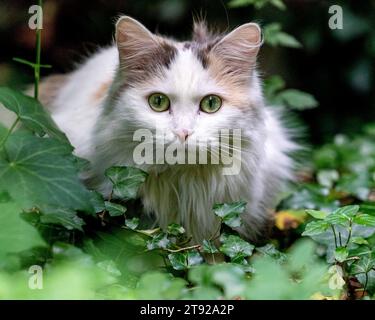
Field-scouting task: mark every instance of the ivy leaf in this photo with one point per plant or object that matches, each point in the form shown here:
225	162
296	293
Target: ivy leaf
317	214
364	265
132	223
97	201
209	247
126	181
110	267
31	113
230	213
63	216
274	36
342	216
235	247
15	233
185	260
364	220
341	253
270	250
175	229
315	227
296	99
114	209
5	197
160	241
38	171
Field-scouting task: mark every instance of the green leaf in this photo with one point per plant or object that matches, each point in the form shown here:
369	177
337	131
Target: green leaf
31	113
359	240
278	4
258	4
175	229
274	36
235	247
114	209
5	197
160	241
127	249
38	171
315	227
364	220
317	214
110	267
342	216
364	265
209	247
230	213
185	260
348	211
157	286
15	233
132	223
126	181
97	201
341	253
296	99
63	216
270	250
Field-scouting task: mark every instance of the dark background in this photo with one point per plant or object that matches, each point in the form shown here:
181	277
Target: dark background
336	66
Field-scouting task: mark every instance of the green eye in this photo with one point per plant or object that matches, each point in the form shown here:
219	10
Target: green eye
159	102
211	103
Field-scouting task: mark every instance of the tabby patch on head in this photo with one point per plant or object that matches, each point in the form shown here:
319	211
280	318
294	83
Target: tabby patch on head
229	58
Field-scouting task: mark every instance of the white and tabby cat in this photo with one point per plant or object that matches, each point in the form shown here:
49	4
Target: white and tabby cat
102	103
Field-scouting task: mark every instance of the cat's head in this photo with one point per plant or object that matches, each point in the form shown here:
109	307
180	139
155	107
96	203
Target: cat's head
191	89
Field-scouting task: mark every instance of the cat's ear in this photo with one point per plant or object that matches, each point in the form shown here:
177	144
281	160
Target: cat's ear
140	51
133	37
239	48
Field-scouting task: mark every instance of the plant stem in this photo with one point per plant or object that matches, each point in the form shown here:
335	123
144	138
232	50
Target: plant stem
365	286
4	140
334	233
38	45
350	233
197	246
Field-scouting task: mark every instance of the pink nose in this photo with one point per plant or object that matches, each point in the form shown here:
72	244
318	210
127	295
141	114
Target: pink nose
182	134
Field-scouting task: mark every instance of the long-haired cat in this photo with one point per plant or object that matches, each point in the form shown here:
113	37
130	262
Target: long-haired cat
190	90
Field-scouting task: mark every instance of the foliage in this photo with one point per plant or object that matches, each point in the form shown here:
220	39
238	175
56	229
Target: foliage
104	251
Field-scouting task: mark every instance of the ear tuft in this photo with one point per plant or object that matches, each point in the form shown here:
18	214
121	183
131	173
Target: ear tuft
200	31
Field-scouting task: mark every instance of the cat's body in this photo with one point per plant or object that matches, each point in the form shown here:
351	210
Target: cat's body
101	104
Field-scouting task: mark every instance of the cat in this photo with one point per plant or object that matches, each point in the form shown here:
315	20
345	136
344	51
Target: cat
102	103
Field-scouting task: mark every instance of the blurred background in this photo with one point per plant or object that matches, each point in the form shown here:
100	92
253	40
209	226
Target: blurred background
336	66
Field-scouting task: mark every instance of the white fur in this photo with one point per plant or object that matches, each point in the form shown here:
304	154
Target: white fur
182	194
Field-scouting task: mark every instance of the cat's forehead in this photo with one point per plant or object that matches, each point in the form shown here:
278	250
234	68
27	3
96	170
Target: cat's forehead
187	75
